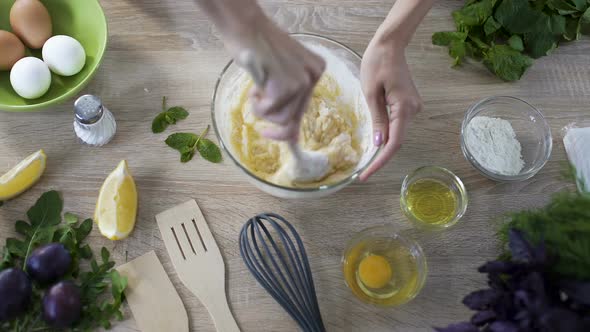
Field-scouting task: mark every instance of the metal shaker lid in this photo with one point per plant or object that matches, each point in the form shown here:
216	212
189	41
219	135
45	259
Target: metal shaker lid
88	109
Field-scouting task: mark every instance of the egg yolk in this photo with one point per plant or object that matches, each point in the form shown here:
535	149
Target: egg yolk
375	271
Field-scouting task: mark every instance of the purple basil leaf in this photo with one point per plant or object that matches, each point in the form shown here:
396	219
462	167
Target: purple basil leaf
503	326
519	247
458	327
540	255
578	291
522	299
498	267
481	299
561	320
504	307
496	281
483	317
524	319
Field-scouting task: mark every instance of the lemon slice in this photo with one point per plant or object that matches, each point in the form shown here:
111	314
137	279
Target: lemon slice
23	176
117	204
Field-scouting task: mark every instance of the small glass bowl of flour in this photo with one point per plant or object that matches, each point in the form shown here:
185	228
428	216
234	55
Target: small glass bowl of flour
506	138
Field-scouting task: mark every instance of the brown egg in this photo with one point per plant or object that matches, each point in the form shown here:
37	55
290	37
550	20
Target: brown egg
31	22
11	50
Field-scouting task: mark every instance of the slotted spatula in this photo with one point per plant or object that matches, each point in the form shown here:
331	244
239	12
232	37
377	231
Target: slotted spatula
197	260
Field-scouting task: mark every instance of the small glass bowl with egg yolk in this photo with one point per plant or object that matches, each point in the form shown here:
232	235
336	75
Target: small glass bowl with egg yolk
383	268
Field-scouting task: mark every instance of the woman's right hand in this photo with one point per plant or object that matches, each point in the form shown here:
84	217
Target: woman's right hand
291	72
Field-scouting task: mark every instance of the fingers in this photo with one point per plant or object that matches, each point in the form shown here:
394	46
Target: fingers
397	131
316	67
376	102
290	131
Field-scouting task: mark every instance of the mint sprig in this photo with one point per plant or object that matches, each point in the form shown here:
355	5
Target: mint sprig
188	144
507	34
168	117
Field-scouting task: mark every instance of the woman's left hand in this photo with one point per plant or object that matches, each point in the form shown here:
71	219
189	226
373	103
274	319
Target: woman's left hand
387	83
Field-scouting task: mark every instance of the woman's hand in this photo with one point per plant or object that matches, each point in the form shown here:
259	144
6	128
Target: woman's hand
290	73
387	83
289	70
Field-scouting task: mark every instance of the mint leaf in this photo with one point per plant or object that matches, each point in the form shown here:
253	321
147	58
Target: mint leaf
445	38
478	42
180	141
557	24
209	150
517	16
516	43
177	113
572	29
584	25
540	43
473	14
188	143
168	117
491	26
185	143
187	156
506	62
457	51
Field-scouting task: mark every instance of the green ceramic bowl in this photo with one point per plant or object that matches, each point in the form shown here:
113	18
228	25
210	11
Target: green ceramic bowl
83	20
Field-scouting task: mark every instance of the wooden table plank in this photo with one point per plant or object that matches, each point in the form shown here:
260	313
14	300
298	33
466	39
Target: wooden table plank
169	48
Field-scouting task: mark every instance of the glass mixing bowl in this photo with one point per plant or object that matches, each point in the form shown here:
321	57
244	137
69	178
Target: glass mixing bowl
530	127
221	108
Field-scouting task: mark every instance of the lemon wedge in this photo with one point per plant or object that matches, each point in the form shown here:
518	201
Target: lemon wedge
23	176
116	208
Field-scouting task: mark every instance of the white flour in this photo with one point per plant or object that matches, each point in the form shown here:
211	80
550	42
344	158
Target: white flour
493	143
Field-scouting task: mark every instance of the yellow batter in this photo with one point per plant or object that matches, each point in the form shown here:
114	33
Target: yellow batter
329	126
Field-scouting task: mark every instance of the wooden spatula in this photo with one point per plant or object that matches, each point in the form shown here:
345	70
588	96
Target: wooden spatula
153	300
197	260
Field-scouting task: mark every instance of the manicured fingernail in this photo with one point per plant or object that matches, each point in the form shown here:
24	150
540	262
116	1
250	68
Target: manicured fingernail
378	138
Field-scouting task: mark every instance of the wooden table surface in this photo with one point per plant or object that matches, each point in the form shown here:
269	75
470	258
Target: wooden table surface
168	48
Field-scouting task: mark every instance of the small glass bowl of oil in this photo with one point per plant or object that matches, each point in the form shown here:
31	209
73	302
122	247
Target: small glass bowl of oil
383	268
433	197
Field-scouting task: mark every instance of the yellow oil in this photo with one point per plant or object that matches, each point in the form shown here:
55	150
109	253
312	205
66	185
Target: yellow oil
431	201
403	282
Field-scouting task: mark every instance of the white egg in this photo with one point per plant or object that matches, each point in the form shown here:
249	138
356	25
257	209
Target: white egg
30	78
64	55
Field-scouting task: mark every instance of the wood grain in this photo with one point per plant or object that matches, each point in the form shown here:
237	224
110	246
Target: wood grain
167	47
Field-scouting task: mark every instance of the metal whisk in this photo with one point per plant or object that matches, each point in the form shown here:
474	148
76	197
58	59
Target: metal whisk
281	266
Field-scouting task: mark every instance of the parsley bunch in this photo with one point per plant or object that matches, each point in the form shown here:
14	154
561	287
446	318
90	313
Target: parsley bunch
507	34
45	226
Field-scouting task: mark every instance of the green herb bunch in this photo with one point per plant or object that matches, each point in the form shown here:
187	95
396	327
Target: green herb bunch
45	226
564	226
507	34
185	143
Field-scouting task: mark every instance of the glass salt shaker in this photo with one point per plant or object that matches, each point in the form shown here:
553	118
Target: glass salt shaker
94	124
